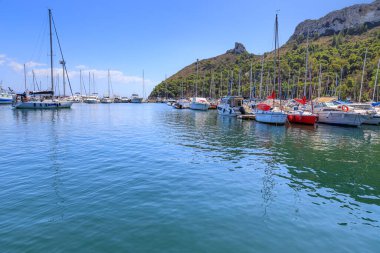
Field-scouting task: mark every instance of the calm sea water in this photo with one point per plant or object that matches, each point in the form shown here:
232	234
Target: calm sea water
149	178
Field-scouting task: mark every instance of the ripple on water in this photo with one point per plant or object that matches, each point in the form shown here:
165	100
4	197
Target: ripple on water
149	178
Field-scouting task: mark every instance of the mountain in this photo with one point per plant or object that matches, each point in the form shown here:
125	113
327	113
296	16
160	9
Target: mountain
352	20
337	46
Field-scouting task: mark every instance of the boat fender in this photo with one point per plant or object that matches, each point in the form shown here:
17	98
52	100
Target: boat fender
230	111
224	109
345	108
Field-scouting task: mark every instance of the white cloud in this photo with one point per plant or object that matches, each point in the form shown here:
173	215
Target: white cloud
32	64
81	67
16	66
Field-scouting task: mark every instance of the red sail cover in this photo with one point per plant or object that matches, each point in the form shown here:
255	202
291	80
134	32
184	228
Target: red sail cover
263	107
301	101
273	96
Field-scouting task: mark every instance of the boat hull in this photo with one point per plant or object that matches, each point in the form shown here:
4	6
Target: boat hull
43	105
375	120
199	106
136	100
302	119
269	117
341	118
228	111
6	100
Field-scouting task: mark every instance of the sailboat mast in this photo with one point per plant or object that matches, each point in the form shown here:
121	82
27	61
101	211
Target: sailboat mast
143	95
25	76
51	53
250	83
375	84
239	91
196	82
320	80
221	84
277	45
109	90
261	76
306	63
80	81
361	83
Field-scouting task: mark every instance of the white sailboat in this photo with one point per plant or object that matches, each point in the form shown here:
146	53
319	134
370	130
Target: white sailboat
46	98
265	113
198	103
107	99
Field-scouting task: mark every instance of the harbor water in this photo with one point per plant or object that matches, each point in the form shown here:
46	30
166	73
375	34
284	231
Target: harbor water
149	178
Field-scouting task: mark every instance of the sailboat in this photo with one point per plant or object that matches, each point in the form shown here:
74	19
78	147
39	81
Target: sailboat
198	103
107	99
264	112
46	98
5	96
299	114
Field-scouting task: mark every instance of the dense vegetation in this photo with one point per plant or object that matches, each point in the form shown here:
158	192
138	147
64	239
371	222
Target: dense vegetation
339	57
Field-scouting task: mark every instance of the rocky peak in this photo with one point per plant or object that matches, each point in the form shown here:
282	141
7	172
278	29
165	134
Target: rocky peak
238	49
351	19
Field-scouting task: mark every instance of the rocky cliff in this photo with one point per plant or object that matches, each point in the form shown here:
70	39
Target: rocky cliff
353	19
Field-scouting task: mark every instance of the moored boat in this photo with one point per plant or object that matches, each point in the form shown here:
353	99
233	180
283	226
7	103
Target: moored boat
136	99
199	103
182	103
5	96
330	113
46	99
302	117
231	106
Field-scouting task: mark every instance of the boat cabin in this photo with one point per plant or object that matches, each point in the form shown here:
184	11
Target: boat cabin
233	101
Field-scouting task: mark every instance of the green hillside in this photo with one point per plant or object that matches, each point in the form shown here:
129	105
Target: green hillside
340	57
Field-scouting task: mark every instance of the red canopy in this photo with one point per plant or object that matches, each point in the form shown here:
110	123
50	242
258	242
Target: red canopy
263	107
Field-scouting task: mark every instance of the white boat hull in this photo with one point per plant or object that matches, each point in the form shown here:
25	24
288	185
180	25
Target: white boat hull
341	118
90	101
199	106
228	111
43	105
270	117
375	120
136	100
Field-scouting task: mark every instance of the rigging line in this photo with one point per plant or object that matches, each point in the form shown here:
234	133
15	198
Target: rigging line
37	51
60	50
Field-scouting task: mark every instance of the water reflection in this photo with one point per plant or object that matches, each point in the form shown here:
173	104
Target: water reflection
48	123
331	164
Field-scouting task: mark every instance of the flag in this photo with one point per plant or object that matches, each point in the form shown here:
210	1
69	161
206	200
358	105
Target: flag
273	96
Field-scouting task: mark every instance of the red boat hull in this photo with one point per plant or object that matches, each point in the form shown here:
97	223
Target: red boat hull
302	119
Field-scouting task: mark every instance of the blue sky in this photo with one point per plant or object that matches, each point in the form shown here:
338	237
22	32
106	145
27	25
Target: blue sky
127	37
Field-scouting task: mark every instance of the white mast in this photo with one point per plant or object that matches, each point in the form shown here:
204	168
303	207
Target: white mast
320	80
25	76
196	82
261	76
51	53
143	84
109	89
375	84
250	83
361	83
306	60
